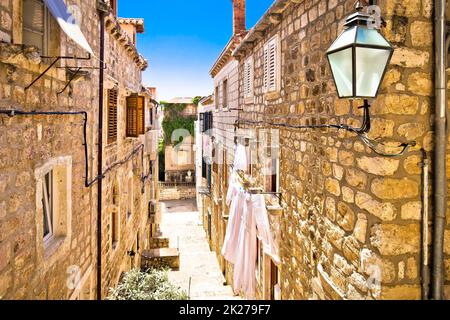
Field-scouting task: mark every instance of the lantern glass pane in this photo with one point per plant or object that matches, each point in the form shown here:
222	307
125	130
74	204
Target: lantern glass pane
371	37
341	66
346	38
370	66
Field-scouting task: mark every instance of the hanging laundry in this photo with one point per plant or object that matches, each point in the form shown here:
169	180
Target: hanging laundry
254	225
240	158
230	244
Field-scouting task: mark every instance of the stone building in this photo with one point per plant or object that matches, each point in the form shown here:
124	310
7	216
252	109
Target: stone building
350	221
57	240
217	125
180	158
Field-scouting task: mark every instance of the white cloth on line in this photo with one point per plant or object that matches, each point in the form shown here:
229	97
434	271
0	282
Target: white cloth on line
240	158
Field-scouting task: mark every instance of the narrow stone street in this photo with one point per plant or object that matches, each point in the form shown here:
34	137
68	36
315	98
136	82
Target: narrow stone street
181	223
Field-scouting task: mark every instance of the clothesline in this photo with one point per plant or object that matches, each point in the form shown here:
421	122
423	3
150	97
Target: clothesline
248	223
260	191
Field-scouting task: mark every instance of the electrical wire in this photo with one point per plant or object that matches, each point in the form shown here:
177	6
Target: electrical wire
88	184
360	132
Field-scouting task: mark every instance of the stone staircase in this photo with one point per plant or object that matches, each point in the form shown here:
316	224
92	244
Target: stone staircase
161	258
159	243
160	255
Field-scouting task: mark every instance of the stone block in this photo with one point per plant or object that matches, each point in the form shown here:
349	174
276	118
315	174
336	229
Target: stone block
395	189
393	240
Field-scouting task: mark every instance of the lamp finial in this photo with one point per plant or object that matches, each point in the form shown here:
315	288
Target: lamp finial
359	6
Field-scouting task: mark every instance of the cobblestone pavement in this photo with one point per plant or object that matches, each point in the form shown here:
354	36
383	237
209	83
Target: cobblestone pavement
181	223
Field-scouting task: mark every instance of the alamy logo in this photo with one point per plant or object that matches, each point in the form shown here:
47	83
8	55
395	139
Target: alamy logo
375	21
75	15
74	277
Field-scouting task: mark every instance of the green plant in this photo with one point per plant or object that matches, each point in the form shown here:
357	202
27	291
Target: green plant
196	100
175	120
151	285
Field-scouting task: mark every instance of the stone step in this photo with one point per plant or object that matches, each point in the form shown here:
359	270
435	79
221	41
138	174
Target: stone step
161	258
159	243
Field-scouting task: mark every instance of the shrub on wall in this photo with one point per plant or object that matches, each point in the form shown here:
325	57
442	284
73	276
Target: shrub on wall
174	120
151	285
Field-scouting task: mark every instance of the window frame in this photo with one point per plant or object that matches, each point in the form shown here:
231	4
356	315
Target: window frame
217	98
267	86
48	204
225	92
53	246
46	23
115	229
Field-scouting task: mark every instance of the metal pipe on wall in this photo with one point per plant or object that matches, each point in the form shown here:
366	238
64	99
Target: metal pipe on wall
100	154
440	177
425	227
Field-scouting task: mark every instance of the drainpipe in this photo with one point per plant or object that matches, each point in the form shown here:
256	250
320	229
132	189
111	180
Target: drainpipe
440	178
425	227
101	14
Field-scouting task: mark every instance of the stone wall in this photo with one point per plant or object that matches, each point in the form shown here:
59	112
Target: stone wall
29	269
347	210
177	192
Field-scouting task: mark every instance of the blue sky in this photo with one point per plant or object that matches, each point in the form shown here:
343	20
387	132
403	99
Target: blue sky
182	40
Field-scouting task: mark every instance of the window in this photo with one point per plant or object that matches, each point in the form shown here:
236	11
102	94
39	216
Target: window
151	116
216	98
249	154
114	228
271	65
202	122
130	198
112	115
36	25
47	204
208	123
53	207
138	245
225	94
248	78
274	279
135	116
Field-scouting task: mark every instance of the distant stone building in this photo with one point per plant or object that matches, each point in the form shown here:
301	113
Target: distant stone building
350	222
180	157
57	240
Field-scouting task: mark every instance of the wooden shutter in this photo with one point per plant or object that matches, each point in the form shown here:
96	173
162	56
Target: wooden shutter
112	116
141	115
271	65
266	68
248	78
273	60
135	116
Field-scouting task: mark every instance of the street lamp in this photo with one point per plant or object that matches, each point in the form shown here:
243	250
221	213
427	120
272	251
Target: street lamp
359	57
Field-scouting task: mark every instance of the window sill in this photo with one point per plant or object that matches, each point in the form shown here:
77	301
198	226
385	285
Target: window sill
273	95
18	54
249	100
53	246
111	145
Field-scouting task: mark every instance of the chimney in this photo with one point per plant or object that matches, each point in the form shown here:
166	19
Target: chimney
239	17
